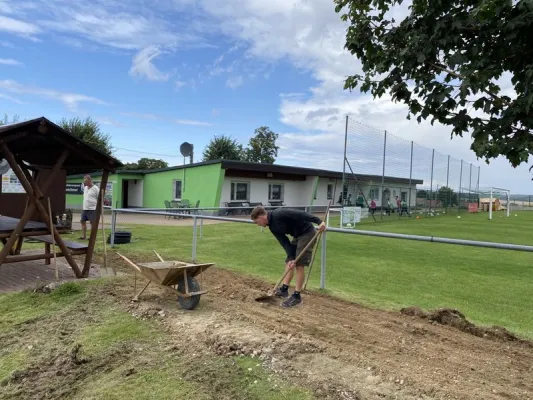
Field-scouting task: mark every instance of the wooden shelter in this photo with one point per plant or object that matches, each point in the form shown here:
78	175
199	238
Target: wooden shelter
40	147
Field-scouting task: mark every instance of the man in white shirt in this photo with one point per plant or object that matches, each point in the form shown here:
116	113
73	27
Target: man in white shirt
90	199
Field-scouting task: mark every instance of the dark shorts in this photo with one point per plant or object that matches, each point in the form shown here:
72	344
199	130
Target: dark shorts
88	215
300	243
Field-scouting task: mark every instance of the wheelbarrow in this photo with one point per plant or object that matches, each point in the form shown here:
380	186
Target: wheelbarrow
176	274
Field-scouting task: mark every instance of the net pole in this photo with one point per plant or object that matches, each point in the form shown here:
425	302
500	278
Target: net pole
460	184
478	172
410	177
344	160
449	199
470	185
383	173
431	180
490	205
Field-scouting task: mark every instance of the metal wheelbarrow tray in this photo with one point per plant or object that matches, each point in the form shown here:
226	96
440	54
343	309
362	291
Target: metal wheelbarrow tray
176	274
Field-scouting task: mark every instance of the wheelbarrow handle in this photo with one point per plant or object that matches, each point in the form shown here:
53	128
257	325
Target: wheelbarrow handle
131	263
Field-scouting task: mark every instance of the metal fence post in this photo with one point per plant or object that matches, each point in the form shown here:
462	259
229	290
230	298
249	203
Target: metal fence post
448	203
194	239
460	189
113	227
201	228
431	181
410	178
383	172
478	173
323	262
344	160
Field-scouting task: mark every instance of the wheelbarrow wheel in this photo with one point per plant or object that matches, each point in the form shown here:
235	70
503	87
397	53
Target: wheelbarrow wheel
189	303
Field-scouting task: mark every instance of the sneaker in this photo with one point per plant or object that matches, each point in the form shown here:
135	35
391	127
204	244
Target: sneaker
291	302
280	293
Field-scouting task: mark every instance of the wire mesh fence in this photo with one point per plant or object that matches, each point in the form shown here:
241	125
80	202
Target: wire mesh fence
399	178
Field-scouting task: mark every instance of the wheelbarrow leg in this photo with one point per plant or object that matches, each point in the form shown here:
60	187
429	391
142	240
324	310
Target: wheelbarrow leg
136	297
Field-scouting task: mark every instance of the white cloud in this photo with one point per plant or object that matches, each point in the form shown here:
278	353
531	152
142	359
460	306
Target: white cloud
234	82
11	98
143	66
166	119
179	84
10	61
70	100
19	28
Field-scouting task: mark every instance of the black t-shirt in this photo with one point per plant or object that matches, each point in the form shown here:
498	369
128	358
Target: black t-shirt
287	221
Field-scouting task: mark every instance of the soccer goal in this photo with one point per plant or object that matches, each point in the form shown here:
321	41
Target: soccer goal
348	217
488	199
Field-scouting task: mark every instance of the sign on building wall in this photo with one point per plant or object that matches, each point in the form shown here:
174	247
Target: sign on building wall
10	183
77	188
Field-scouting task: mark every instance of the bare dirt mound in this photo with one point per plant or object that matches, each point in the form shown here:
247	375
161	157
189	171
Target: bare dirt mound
456	319
342	350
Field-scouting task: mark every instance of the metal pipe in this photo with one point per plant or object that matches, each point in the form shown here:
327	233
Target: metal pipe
435	239
344	160
194	239
323	262
113	227
410	178
460	189
431	181
383	172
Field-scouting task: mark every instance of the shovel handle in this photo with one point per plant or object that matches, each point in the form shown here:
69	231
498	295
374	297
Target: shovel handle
296	260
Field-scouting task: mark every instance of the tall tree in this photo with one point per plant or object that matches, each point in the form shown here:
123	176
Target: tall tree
89	131
223	147
443	60
262	146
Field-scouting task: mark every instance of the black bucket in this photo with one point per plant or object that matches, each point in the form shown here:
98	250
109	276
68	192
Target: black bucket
121	237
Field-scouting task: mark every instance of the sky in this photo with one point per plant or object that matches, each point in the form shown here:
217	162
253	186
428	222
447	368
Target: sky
155	74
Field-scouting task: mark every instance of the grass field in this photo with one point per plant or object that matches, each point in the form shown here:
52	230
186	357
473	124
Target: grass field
492	287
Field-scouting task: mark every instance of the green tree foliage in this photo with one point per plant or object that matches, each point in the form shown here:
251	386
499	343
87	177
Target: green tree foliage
89	131
443	59
7	121
146	163
262	146
447	196
223	147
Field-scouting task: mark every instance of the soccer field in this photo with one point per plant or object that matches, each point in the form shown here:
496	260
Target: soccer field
490	286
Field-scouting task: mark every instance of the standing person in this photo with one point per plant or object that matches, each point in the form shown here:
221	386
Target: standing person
373	206
90	199
298	224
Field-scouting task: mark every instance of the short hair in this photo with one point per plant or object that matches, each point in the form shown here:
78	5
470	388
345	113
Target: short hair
257	212
88	177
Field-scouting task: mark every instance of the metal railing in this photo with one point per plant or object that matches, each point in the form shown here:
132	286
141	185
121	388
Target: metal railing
323	261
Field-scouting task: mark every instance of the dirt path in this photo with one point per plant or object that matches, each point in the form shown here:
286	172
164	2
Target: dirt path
342	350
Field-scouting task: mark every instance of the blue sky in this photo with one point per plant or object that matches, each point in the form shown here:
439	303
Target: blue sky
186	70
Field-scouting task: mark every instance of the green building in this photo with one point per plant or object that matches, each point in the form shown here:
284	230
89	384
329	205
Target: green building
217	183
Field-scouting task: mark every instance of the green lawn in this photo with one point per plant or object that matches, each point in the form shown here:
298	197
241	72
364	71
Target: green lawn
490	286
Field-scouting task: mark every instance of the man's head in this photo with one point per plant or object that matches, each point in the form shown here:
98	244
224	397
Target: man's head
259	216
87	180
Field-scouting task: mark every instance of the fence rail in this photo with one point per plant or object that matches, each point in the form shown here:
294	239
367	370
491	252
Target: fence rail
197	234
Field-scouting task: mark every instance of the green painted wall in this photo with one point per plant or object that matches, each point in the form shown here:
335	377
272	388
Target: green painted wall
76	200
202	183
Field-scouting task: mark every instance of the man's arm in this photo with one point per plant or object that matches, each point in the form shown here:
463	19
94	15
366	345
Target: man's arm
290	250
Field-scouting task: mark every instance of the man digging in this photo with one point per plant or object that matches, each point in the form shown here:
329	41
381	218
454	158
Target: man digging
298	224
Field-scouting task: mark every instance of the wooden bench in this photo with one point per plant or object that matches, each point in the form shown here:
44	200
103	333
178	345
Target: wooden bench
77	248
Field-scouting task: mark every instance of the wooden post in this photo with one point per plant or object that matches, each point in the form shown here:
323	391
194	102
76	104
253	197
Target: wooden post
94	228
18	170
53	241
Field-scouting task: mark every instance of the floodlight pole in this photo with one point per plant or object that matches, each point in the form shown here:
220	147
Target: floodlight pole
344	160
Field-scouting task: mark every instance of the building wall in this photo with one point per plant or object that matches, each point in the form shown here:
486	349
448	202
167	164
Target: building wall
14	204
197	183
135	193
321	197
75	201
295	193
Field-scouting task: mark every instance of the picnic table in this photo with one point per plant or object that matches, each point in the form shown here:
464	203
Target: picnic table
37	231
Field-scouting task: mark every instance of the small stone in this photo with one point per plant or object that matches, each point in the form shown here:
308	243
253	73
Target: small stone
249	369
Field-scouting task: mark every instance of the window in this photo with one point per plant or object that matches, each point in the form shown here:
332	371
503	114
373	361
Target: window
330	191
374	193
275	191
176	190
240	191
403	196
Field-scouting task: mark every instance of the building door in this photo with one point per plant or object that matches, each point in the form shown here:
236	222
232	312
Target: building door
125	194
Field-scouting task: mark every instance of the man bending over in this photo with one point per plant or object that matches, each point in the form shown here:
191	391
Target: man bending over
298	224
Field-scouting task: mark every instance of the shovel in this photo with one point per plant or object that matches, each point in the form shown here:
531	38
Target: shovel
271	293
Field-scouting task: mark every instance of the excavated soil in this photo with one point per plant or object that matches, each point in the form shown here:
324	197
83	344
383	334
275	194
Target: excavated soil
339	349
